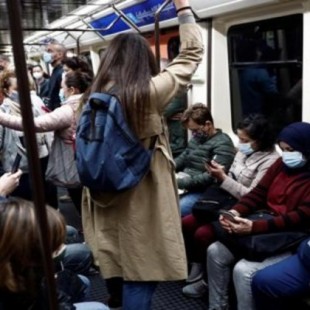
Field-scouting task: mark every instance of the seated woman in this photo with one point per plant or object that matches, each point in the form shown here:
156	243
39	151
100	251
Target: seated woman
21	266
281	285
256	154
207	142
284	196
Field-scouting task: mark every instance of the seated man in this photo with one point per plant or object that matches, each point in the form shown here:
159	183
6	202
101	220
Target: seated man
207	143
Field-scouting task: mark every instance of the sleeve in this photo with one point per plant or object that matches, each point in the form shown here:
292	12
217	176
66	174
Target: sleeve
237	189
298	218
224	152
58	119
178	73
181	160
257	198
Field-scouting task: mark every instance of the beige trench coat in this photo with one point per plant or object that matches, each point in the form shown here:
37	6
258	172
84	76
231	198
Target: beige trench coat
137	234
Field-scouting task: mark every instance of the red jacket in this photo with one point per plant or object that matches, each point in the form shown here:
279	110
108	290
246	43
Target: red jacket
285	194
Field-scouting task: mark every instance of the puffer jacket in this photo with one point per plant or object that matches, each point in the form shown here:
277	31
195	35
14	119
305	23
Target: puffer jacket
200	149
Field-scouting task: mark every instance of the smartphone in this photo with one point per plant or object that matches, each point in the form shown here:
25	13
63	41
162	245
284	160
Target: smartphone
228	215
16	163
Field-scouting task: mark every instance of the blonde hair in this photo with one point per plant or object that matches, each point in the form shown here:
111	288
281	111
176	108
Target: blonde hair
19	244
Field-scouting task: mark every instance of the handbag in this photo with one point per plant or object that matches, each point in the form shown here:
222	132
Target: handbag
259	246
61	167
214	199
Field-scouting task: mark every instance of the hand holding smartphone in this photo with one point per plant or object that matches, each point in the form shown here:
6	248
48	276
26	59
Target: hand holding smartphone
228	216
16	163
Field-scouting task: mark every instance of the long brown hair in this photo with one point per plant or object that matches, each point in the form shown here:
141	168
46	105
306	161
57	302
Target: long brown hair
128	64
19	242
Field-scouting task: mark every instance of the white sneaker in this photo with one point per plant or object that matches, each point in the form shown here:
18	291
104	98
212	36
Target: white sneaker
195	290
196	273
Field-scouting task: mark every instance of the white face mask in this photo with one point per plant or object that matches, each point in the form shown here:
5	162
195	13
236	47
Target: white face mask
245	148
37	75
293	159
62	96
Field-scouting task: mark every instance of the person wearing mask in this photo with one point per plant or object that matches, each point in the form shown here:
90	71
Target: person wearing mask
282	200
122	227
12	142
54	54
42	81
62	120
256	154
207	143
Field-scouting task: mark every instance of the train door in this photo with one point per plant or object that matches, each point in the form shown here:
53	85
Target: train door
265	69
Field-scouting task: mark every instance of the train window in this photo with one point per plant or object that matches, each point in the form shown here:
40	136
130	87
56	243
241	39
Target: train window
265	63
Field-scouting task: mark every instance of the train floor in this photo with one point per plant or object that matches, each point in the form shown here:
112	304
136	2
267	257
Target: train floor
168	295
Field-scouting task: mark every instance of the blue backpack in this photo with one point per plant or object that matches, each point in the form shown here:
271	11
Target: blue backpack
109	156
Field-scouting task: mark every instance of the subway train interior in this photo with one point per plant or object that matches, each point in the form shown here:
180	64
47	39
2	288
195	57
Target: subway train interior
271	37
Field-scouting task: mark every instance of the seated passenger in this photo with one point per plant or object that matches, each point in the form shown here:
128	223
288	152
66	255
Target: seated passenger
206	144
283	195
256	154
21	267
282	284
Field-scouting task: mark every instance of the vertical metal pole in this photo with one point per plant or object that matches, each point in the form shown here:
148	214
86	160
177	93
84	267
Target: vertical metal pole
157	32
14	11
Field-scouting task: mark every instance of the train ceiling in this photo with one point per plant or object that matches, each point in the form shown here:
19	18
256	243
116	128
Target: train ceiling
39	16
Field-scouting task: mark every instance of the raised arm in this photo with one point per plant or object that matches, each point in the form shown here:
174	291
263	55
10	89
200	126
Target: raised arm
58	119
177	75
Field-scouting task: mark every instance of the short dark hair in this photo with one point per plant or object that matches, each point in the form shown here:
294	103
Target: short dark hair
199	113
259	129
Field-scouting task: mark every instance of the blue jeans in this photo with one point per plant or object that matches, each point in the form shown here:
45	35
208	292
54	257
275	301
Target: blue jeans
275	285
187	202
77	258
72	235
138	295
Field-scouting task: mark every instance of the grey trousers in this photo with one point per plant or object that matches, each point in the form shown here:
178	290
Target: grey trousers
221	265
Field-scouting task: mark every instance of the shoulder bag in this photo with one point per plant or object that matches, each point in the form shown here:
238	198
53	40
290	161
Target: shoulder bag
61	168
259	246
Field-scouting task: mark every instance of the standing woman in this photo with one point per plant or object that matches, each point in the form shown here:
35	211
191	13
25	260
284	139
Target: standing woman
62	120
42	81
136	235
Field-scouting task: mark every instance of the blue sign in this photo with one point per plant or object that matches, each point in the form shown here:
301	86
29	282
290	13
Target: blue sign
141	14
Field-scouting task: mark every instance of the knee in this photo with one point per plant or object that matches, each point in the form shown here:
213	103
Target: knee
78	258
217	252
242	272
72	235
204	235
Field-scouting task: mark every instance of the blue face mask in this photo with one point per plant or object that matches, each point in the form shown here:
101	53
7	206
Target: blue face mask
47	57
14	96
245	148
293	159
62	96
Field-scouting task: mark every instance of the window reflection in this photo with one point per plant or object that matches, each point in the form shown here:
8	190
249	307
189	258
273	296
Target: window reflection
265	60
